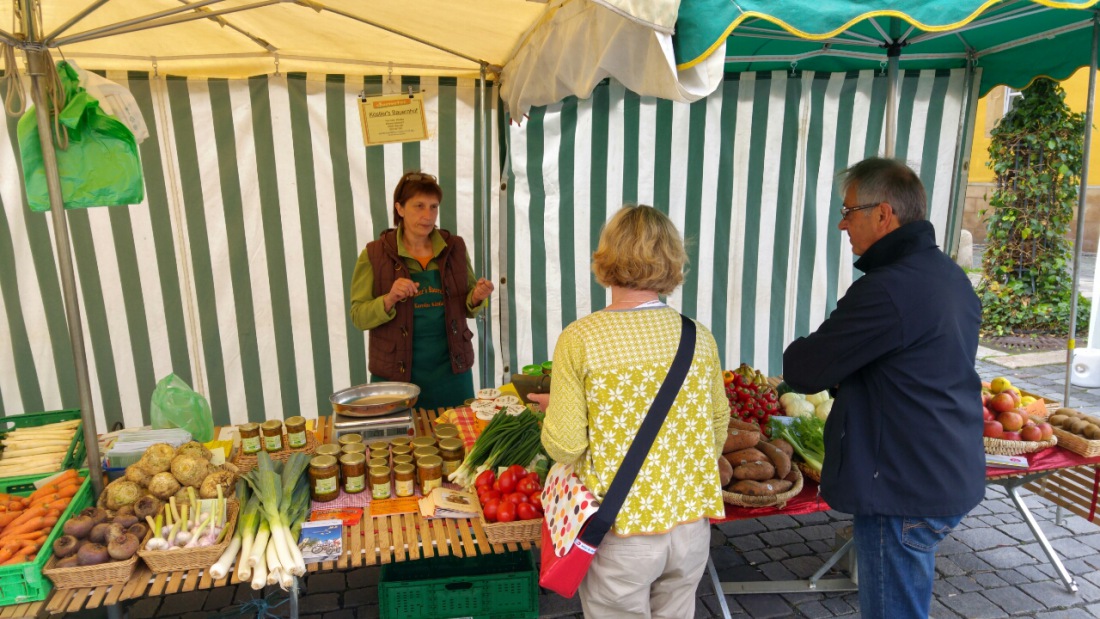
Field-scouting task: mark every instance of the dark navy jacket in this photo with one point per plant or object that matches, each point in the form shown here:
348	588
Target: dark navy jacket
904	437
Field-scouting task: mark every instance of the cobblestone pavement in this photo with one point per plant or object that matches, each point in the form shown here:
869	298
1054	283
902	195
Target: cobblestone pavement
990	567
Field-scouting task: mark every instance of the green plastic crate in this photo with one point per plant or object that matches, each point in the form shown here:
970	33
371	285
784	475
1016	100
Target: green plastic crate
24	582
74	457
503	586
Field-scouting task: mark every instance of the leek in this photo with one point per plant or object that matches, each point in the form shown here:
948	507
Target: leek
247	524
276	489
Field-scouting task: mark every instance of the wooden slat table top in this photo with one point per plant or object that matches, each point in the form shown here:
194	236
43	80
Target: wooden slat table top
385	539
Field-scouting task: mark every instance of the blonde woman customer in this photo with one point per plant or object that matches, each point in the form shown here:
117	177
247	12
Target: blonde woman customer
608	367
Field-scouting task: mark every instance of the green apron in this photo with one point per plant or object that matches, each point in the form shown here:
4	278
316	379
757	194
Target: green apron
431	359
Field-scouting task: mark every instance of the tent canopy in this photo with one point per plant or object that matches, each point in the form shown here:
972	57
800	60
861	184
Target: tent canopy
1013	42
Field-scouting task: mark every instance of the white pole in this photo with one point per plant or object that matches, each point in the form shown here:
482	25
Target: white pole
893	52
485	317
1081	195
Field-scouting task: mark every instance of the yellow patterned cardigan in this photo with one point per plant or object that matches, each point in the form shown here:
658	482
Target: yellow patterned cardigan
608	367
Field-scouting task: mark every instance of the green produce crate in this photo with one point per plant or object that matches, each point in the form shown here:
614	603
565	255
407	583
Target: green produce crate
503	586
74	457
24	582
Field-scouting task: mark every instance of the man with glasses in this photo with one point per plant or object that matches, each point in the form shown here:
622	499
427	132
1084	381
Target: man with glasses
903	443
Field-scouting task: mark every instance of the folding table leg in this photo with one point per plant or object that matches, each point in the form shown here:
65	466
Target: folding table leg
294	599
113	612
1067	578
718	588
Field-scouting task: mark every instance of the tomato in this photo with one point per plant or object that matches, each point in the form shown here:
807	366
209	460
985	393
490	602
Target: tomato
536	500
490	510
506	512
515	498
527	486
491	495
533	475
496	484
526	511
486	478
518	471
507	481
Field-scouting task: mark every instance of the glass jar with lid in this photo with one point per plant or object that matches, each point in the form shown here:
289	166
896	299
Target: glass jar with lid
250	438
296	432
423	452
354	448
400	450
423	441
379	445
328	449
273	435
429	471
373	462
446	430
452	451
349	438
354	470
400	440
403	477
324	479
403	459
380	482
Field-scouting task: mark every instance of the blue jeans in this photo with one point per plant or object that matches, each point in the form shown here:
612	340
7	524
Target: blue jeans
896	562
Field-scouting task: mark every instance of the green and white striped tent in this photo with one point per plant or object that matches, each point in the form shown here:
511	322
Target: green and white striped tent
260	195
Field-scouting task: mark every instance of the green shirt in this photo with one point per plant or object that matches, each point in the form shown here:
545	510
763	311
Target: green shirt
369	311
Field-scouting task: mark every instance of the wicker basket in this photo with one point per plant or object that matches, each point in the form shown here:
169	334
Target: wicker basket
513	532
247	462
809	473
1077	444
160	561
778	500
89	576
1001	447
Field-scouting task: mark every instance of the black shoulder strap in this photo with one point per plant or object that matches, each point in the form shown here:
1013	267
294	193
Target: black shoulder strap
598	526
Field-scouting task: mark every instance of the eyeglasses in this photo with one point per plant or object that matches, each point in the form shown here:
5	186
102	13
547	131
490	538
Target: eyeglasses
416	177
844	212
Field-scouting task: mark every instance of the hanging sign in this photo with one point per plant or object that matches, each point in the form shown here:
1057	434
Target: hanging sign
393	118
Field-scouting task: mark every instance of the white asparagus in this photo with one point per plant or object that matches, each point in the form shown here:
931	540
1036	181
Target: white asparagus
72	423
26	470
43	442
28	450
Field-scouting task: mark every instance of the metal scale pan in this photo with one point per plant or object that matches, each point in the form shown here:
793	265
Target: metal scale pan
375	410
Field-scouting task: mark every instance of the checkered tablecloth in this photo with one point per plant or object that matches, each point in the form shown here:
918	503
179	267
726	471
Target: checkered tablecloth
463	418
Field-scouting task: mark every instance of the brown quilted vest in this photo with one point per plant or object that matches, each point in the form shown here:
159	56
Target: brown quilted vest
391	343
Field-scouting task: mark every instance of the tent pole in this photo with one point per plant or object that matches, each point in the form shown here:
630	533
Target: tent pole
486	271
893	53
38	64
1081	199
961	173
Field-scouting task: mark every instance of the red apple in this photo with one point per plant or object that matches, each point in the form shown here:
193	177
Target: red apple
1011	436
986	397
988	415
1002	403
1047	430
1031	432
993	429
1012	421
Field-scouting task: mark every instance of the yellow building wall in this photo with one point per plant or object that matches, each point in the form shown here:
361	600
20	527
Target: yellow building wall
991	109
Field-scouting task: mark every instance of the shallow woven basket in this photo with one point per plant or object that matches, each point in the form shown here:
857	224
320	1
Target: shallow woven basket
160	561
88	576
778	500
808	472
247	462
1001	447
513	532
1077	444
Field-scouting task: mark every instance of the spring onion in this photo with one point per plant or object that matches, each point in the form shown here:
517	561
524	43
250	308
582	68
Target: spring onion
506	440
806	435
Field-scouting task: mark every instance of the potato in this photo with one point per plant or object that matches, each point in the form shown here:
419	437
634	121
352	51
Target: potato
1058	420
1092	433
780	460
742	456
755	471
783	446
740	439
725	471
1077	426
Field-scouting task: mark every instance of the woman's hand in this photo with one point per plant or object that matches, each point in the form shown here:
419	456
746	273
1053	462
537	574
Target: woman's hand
402	289
482	289
542	399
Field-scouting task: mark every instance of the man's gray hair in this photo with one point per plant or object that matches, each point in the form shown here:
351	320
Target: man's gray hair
888	180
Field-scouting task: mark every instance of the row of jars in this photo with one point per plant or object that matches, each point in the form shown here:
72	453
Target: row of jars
270	437
422	459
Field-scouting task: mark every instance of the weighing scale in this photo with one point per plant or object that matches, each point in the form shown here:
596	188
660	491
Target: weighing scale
397	423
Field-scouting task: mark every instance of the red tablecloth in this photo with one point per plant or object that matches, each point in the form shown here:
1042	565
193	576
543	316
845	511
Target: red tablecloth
1045	460
806	502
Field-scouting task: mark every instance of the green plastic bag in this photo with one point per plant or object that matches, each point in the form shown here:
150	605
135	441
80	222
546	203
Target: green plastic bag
176	405
101	166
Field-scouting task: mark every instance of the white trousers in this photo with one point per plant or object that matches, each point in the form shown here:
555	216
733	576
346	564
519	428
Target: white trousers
647	575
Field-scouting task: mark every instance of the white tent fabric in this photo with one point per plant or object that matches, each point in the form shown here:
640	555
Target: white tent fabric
580	43
747	174
234	272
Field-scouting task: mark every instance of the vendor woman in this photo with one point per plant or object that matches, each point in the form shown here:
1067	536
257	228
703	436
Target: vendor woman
413	289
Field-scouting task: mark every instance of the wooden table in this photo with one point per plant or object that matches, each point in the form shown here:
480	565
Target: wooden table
375	541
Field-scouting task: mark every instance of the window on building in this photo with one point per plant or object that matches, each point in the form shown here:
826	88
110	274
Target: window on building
1011	96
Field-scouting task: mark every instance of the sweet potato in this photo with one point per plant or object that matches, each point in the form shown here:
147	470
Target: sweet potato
792	476
780	485
725	471
740	439
742	456
758	488
754	471
737	424
780	460
783	446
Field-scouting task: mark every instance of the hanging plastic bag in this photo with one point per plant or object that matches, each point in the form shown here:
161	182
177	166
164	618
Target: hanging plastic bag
100	167
176	405
115	100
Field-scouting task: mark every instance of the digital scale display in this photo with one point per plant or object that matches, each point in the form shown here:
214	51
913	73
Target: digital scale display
399	423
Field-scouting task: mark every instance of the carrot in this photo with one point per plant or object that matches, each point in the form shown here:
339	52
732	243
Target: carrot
30	534
5	497
32	525
6	553
63	493
33	512
19	558
7	518
58	504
